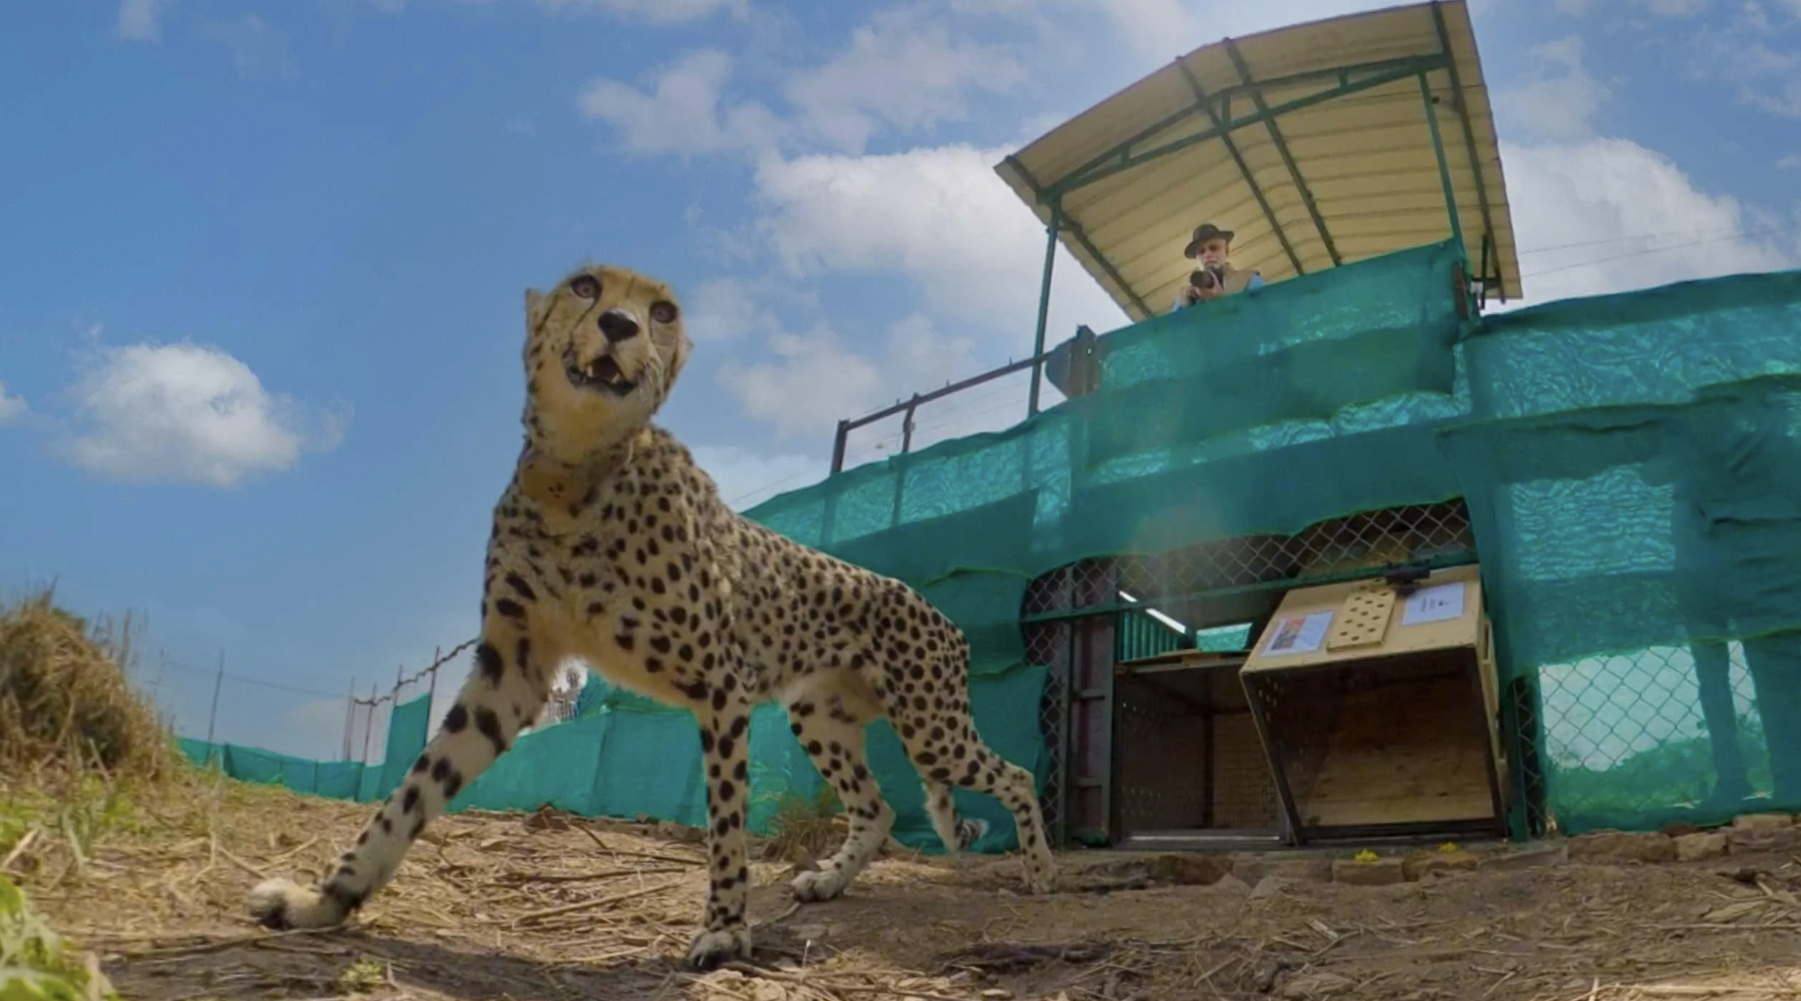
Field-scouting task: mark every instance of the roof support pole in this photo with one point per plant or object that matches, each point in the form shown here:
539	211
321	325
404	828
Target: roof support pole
1244	169
1469	143
1444	166
1482	300
1044	304
1275	136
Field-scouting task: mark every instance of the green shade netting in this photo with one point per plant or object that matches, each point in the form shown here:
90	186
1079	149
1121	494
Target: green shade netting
1629	463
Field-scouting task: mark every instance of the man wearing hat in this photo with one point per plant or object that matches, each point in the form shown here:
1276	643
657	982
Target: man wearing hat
1215	276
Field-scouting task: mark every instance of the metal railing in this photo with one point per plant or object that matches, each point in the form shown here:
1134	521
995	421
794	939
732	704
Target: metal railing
909	407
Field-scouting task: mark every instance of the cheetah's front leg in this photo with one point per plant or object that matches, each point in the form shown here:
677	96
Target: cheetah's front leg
725	753
507	688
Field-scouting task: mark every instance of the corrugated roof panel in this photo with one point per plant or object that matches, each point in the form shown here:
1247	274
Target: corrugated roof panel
1366	158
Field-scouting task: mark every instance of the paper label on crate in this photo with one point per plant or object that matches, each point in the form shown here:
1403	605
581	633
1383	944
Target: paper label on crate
1297	634
1437	603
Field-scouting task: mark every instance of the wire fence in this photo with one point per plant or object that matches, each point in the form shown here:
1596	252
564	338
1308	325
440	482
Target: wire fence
219	705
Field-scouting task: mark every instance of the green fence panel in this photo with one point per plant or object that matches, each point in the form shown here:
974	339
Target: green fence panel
554	766
1633	470
408	724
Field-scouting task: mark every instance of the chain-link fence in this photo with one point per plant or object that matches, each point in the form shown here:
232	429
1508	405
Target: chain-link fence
1696	733
1082	619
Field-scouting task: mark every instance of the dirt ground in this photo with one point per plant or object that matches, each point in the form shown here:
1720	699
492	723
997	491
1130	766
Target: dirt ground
549	906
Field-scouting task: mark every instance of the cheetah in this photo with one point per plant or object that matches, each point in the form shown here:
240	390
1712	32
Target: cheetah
610	546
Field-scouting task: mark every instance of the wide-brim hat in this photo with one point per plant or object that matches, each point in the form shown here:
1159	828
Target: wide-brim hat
1206	231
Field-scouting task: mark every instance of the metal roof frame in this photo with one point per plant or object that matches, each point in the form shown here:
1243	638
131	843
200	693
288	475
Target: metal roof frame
1118	183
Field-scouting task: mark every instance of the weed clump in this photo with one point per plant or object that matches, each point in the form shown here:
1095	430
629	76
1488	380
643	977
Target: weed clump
34	966
66	706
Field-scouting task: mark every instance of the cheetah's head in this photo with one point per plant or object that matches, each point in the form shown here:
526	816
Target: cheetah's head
602	352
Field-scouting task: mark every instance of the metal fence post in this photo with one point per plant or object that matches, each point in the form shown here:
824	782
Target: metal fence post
213	717
370	729
349	718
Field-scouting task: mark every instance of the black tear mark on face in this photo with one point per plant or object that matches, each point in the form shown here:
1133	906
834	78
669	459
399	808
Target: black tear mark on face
663	311
585	287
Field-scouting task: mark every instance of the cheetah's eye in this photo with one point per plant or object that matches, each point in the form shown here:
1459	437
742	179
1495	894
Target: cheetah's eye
585	286
663	311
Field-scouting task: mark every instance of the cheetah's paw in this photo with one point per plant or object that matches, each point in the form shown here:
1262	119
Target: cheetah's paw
824	884
712	948
283	904
969	831
1040	880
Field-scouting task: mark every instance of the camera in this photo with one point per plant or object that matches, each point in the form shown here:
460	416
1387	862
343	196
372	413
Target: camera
1208	278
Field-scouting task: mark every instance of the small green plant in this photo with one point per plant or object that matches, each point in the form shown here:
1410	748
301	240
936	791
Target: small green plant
78	814
34	965
362	976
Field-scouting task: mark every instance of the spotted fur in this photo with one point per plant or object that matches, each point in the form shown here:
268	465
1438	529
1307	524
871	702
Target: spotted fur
610	545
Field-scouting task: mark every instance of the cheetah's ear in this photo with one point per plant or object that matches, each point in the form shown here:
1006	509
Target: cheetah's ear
536	304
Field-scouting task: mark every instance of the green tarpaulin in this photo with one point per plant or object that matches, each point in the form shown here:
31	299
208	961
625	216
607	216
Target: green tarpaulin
1629	462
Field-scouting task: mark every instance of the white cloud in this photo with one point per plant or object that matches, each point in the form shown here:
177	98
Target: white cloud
1749	46
1789	162
189	413
11	407
1559	99
728	309
682	112
1662	8
941	217
138	20
1164	29
654	11
906	69
650	11
256	46
748	478
1783	99
1634	218
1619	216
815	379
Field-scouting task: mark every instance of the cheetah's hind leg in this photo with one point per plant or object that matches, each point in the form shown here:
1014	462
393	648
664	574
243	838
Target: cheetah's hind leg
957	832
832	732
945	748
501	695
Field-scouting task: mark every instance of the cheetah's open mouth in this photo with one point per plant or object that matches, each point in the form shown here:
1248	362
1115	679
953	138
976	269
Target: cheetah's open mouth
601	373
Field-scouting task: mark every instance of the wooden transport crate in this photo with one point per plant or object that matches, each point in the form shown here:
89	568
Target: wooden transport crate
1188	769
1377	709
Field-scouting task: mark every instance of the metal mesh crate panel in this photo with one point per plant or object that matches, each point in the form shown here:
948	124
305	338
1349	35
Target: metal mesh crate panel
1295	714
1163	758
1244	790
1177	770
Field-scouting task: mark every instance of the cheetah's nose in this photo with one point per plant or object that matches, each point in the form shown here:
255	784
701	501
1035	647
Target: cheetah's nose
618	325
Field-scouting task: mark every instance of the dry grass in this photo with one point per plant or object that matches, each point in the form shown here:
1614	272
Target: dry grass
542	906
804	829
67	711
133	854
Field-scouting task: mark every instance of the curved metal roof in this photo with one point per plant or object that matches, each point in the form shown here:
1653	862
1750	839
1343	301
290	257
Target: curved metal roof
1311	142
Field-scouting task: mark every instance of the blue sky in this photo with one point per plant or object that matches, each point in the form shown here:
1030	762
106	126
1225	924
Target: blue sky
260	300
